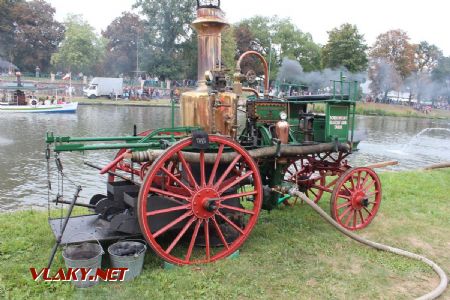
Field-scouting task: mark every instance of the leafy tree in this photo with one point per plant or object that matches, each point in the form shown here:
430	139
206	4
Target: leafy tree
441	76
7	28
81	50
394	47
442	71
169	34
296	44
426	58
345	47
123	36
384	77
229	48
33	34
263	33
37	35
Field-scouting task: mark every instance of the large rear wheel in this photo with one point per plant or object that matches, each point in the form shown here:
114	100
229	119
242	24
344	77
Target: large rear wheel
206	213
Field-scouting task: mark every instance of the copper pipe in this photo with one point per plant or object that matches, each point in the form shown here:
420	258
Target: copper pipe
248	89
266	68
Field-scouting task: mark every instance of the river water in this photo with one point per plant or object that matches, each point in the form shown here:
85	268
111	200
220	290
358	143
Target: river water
23	175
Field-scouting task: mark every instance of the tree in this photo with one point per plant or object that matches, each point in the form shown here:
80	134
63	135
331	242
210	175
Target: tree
426	58
169	34
123	43
81	50
296	44
345	47
263	34
7	28
441	76
37	35
229	48
384	77
32	33
394	47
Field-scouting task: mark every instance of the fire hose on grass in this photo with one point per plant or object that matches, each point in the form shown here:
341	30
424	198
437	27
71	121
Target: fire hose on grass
443	277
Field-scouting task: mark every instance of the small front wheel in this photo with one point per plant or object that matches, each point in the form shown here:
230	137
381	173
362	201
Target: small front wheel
356	198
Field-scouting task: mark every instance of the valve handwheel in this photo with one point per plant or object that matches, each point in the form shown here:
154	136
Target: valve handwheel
211	201
356	198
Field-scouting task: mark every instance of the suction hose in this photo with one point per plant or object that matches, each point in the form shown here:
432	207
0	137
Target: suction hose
431	295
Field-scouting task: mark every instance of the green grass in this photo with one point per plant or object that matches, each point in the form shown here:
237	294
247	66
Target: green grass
379	109
291	254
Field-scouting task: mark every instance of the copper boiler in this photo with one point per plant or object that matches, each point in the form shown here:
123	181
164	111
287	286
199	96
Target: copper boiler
197	106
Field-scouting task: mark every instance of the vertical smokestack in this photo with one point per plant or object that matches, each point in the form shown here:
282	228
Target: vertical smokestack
209	25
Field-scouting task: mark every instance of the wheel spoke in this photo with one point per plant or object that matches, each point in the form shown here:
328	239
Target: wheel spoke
365	179
167	210
193	238
216	165
237	228
178	181
361	216
187	169
343	205
354	219
245	211
343	196
239	195
171	224
234	182
344	213
180	235
219	232
366	188
202	168
358	180
227	171
370	213
372	193
349	218
169	194
207	249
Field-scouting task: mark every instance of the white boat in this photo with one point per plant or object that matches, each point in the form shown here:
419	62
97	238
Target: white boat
40	108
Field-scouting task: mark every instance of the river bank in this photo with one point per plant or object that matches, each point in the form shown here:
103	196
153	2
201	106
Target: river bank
291	254
367	109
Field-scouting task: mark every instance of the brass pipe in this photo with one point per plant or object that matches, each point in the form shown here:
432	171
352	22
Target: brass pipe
266	68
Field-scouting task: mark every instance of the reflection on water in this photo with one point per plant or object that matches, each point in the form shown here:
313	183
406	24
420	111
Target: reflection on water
23	174
410	141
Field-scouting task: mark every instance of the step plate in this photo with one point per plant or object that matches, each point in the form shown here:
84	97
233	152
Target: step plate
86	228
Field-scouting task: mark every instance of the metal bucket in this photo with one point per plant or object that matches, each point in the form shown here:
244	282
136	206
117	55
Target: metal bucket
85	255
128	254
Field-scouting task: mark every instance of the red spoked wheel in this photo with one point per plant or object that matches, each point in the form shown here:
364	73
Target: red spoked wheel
307	179
208	212
356	198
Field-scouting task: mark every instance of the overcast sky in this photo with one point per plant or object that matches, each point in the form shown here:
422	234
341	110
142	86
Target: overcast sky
422	20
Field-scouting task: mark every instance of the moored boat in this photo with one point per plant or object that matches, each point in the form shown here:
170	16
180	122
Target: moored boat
40	108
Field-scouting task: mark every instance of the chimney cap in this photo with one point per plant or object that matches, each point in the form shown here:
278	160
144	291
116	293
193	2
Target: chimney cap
208	4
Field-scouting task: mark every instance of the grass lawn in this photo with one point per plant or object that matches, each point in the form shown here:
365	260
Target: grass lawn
291	254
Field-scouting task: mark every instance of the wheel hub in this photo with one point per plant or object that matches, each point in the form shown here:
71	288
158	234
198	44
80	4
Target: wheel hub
359	200
205	203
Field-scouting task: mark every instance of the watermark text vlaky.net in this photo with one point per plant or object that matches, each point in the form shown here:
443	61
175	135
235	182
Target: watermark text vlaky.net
83	274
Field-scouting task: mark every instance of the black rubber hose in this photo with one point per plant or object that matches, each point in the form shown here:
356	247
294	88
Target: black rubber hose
431	295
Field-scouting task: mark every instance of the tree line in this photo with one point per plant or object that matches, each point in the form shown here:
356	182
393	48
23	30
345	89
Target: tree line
160	42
